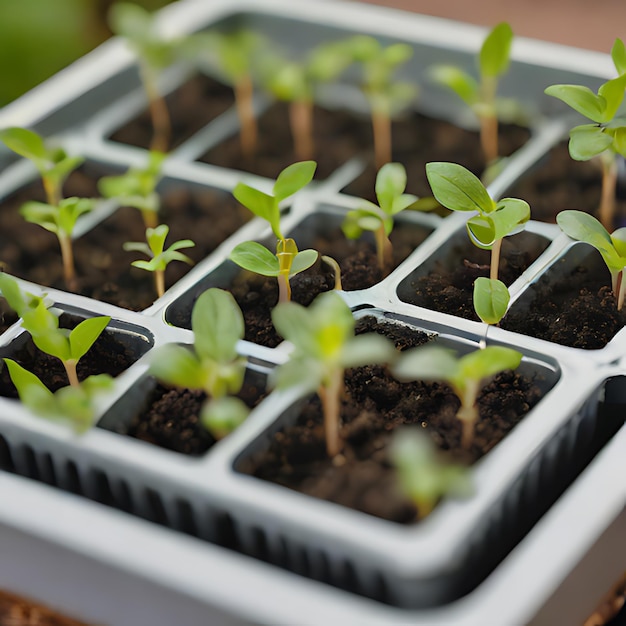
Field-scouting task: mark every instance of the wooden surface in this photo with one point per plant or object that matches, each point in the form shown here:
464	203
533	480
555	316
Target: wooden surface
592	24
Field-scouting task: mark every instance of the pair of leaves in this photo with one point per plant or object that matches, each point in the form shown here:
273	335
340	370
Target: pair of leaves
390	185
154	248
458	189
493	62
291	180
73	403
491	299
324	342
288	261
60	219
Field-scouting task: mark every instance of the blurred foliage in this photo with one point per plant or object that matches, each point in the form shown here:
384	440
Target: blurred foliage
40	37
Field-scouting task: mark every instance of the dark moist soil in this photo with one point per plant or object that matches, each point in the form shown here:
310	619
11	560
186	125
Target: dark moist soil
171	419
559	183
19	611
193	105
449	286
108	355
8	317
341	135
103	268
258	295
362	477
579	310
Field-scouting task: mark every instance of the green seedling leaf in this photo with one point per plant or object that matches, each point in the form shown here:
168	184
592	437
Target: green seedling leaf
510	215
176	365
261	204
33	393
581	226
293	178
581	99
390	184
491	299
18	300
587	141
25	142
217	324
495	51
302	261
224	415
254	257
460	82
457	189
83	336
423	474
618	54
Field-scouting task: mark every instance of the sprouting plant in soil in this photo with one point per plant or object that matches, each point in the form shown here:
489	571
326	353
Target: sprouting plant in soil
324	346
605	137
425	475
136	188
288	260
213	366
611	246
465	375
232	55
160	257
58	215
296	82
154	54
457	189
390	186
74	403
480	95
385	95
69	346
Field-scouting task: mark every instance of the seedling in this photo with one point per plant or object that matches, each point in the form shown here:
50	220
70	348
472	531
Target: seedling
235	52
137	188
69	346
295	82
160	258
606	136
465	375
385	96
56	214
458	189
324	346
154	54
214	365
480	96
583	227
75	403
390	186
288	260
423	474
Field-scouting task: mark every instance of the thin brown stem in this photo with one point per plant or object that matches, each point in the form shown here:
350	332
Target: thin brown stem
489	137
619	287
606	212
330	396
381	128
70	369
495	259
336	270
244	90
468	416
284	288
159	282
161	123
150	218
301	121
384	250
67	256
52	190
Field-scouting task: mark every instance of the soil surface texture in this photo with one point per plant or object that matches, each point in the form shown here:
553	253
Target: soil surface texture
375	405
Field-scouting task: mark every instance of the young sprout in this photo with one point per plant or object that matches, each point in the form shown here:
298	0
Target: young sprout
69	346
424	475
214	365
288	260
160	258
606	136
296	81
465	375
335	267
56	214
390	186
137	188
235	52
75	403
458	189
385	96
324	346
154	53
583	227
480	96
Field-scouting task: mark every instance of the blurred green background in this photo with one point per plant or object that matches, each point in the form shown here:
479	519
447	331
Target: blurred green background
39	37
